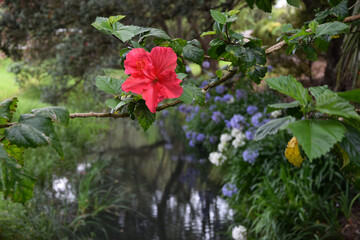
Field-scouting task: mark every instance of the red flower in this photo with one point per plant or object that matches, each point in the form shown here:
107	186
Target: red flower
152	75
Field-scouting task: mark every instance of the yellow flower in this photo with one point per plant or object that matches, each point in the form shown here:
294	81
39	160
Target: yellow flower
292	153
335	36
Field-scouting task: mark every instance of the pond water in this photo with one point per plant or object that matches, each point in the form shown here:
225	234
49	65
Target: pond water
169	193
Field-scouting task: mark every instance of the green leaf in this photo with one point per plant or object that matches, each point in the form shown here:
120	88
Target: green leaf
330	103
352	95
272	127
217	47
181	76
331	28
286	27
257	74
34	131
317	137
208	33
233	12
250	3
14	151
320	16
313	25
351	144
340	10
103	24
193	52
109	84
295	3
143	115
318	91
218	16
310	52
157	33
14	181
7	109
264	5
114	19
112	103
288	85
192	93
57	114
125	33
279	106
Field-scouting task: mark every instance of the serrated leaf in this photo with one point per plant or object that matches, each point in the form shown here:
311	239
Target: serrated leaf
288	85
233	12
340	10
14	151
279	106
103	24
143	115
272	127
331	103
193	52
352	95
181	76
34	131
310	52
126	33
295	3
320	16
114	19
14	181
331	28
109	84
192	93
317	137
7	109
57	114
157	33
318	91
218	16
313	25
286	27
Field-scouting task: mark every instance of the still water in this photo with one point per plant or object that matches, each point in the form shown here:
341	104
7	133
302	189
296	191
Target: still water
169	193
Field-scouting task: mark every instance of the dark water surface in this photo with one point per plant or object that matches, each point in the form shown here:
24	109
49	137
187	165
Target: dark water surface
171	196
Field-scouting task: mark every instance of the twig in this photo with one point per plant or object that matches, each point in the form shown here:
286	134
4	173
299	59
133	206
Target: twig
282	43
98	115
6	125
221	80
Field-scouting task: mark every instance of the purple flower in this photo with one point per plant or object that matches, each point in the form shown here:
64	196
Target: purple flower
218	99
229	189
228	98
182	108
206	64
240	93
236	121
217	116
251	109
220	89
212	107
196	110
228	124
207	96
249	135
192	143
189	134
165	113
200	137
203	84
213	139
250	156
270	68
255	120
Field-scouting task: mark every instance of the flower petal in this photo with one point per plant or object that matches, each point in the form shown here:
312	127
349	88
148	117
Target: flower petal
163	58
137	62
152	96
168	79
136	84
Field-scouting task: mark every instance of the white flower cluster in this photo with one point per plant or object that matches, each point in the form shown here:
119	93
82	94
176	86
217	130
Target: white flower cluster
217	158
239	233
238	140
239	136
276	114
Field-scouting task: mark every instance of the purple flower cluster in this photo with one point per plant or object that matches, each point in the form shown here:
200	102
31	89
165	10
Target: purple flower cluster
256	120
249	135
240	93
237	121
229	189
194	138
250	156
251	109
220	89
217	116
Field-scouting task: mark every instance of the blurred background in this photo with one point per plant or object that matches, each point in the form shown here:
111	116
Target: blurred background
117	182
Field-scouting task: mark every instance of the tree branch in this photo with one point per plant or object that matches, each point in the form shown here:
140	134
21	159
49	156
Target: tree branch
98	115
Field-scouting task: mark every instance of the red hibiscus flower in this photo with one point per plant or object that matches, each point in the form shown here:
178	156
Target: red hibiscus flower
152	75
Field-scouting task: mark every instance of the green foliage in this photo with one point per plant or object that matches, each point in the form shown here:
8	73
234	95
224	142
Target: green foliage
193	52
192	93
317	137
352	95
332	28
143	115
277	106
272	127
109	84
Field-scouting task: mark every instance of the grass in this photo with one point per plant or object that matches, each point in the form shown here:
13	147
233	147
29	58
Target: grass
8	86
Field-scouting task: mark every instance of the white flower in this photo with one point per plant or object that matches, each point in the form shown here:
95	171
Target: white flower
231	100
235	132
239	233
217	158
222	146
239	140
225	137
276	114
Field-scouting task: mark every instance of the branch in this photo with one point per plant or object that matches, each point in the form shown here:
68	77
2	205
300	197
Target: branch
282	43
221	80
98	115
6	125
